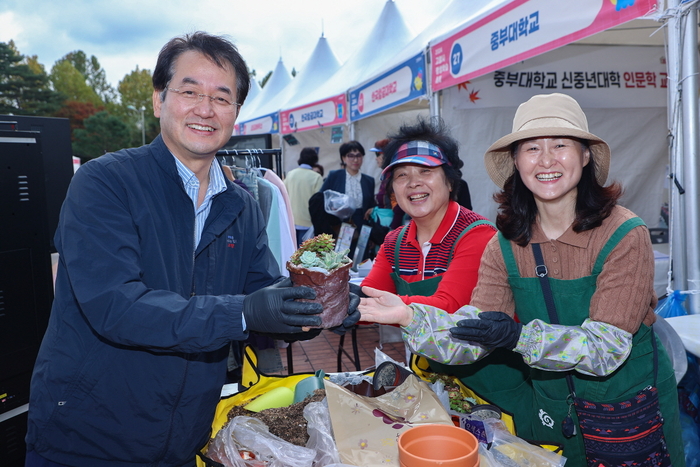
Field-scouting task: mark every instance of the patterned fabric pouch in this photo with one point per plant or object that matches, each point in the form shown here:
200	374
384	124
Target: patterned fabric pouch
624	433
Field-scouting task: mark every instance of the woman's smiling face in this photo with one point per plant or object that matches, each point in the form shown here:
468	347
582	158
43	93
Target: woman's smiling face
551	167
421	191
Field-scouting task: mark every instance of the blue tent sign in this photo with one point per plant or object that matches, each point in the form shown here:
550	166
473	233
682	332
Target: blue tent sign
401	84
262	125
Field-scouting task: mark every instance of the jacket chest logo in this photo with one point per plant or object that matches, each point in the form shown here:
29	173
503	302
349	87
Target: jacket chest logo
230	241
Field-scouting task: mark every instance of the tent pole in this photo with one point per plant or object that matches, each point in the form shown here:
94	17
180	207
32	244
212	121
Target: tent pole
677	230
691	167
435	104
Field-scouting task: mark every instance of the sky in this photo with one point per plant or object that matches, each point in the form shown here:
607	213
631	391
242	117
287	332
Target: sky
125	34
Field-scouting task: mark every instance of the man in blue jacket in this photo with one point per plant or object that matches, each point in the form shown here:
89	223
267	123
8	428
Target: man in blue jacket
163	262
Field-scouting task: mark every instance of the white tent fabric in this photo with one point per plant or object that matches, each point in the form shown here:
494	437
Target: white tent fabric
279	80
377	127
389	34
253	93
631	120
318	68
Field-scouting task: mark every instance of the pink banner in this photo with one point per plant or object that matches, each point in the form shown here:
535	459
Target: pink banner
323	113
523	29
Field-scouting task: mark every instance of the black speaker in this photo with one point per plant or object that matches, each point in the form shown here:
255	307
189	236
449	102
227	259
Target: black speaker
57	160
26	279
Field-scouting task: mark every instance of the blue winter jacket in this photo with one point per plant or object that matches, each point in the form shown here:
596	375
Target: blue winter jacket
132	364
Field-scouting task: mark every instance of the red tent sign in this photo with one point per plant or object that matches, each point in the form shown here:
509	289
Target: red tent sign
523	29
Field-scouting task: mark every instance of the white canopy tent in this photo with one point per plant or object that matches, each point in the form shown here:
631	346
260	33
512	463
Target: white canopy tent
377	127
264	117
389	34
279	79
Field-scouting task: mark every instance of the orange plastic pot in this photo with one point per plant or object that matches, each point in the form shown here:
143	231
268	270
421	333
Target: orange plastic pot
438	445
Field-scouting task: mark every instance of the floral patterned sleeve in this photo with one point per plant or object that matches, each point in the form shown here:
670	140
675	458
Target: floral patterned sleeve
594	348
429	335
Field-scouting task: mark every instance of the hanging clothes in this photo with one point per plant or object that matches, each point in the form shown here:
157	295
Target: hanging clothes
277	181
279	239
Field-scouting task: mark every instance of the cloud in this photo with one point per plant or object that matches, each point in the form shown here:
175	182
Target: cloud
128	33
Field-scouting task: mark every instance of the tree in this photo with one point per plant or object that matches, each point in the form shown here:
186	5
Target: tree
102	133
136	92
68	80
24	89
265	79
76	112
95	76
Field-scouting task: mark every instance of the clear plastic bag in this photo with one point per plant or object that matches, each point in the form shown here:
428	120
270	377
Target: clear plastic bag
511	451
338	204
320	432
250	434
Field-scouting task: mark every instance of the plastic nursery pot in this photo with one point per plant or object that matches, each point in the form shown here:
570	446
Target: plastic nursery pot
388	375
432	445
332	291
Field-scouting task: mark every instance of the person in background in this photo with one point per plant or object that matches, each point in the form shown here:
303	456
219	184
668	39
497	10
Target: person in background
434	258
301	183
349	180
378	150
464	198
385	201
598	256
318	168
163	263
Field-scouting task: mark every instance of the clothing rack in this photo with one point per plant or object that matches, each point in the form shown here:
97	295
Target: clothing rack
275	154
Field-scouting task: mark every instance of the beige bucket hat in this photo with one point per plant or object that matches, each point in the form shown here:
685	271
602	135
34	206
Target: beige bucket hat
546	115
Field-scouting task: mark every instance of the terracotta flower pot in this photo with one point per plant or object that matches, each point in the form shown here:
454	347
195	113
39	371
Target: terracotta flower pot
432	445
331	291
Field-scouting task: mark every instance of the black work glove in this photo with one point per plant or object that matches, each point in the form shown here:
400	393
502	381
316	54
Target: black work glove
352	318
492	329
273	310
357	290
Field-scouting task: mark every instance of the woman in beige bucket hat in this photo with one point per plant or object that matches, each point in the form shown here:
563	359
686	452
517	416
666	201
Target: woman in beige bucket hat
599	262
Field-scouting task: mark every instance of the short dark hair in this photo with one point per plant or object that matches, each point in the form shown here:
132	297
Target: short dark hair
308	156
351	146
433	132
517	210
320	168
216	48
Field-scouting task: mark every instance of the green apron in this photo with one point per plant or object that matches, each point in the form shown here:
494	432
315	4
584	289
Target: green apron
541	421
485	376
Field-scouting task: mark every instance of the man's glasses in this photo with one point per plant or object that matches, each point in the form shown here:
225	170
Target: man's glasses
354	156
192	98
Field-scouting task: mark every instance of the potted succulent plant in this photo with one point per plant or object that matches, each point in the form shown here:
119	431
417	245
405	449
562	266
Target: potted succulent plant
316	264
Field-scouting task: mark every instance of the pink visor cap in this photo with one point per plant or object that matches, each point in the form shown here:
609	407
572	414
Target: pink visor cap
416	152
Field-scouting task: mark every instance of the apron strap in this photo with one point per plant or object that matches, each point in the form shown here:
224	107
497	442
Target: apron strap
614	239
467	229
508	257
397	249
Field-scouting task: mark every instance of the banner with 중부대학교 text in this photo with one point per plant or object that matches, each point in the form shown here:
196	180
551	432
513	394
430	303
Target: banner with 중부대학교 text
520	30
596	76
